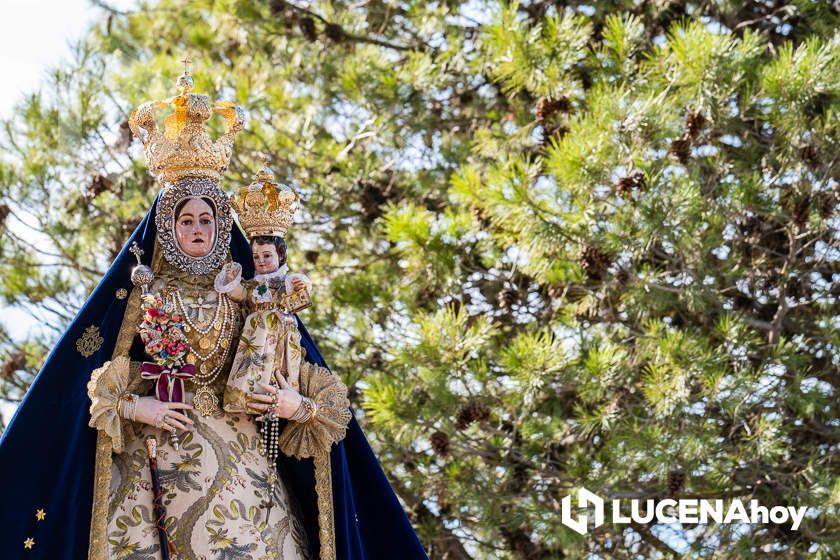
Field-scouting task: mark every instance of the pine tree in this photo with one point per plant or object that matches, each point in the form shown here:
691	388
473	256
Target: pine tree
554	245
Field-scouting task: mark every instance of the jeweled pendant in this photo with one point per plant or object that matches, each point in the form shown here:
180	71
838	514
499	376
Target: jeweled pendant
204	343
205	401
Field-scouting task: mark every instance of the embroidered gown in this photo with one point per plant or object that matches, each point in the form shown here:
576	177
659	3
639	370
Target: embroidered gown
270	341
216	486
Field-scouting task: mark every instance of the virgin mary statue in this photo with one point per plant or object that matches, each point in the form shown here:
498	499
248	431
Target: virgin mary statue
77	481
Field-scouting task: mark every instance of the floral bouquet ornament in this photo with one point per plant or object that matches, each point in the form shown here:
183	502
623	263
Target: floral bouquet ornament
162	334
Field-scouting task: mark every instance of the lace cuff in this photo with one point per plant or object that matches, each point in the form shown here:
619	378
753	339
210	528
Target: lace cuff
329	425
297	276
222	285
106	385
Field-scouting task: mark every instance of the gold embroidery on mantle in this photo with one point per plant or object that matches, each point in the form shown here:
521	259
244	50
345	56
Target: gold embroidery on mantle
89	342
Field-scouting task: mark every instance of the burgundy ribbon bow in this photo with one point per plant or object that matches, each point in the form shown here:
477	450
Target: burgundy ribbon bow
169	382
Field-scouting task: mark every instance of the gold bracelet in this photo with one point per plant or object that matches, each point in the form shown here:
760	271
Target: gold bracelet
127	406
305	412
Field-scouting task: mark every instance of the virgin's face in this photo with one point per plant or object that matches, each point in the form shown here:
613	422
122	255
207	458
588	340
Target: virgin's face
195	228
266	258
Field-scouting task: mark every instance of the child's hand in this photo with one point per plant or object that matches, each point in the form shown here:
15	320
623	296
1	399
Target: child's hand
232	270
298	284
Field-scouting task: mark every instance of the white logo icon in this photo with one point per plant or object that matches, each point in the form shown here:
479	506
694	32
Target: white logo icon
585	498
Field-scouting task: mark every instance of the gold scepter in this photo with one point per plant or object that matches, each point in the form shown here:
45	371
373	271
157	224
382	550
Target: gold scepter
166	547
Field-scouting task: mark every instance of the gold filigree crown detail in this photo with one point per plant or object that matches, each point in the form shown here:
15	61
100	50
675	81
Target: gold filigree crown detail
184	147
265	207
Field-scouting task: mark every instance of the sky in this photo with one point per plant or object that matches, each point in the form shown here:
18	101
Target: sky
34	36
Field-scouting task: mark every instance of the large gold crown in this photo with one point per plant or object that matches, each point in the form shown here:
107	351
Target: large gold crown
265	207
184	147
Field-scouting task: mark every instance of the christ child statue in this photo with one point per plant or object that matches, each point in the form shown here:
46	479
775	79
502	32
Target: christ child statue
269	351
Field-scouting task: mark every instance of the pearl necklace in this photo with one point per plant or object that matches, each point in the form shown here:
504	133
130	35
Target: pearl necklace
186	315
223	309
224	333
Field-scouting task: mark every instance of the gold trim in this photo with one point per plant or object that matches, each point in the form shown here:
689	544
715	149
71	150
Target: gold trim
101	486
97	549
326	516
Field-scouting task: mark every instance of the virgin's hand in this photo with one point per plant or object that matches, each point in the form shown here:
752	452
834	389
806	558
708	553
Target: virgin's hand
298	284
161	414
288	400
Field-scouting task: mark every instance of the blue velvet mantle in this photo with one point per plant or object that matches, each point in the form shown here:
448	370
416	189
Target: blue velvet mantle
47	451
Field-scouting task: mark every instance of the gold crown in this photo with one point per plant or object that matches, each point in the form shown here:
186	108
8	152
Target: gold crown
184	148
265	207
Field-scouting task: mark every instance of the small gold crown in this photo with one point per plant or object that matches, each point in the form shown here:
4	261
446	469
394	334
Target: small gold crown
184	148
265	207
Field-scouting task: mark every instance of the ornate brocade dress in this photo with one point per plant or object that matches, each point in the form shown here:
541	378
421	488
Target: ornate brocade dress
216	487
270	341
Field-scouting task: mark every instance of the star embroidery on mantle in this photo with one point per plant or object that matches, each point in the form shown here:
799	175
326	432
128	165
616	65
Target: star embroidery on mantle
29	543
40	515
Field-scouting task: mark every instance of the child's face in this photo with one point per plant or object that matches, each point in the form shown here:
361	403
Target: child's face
266	258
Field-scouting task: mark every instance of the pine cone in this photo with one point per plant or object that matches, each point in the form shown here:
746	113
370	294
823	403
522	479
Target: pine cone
125	139
420	396
334	32
594	262
622	277
519	541
307	27
547	107
377	361
507	297
681	148
472	411
14	362
479	216
676	482
552	132
554	291
801	210
694	123
519	478
442	496
440	443
809	154
372	197
635	180
828	204
97	186
276	6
